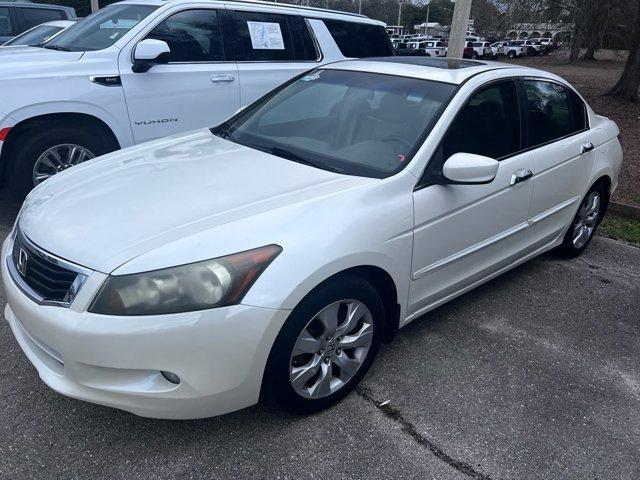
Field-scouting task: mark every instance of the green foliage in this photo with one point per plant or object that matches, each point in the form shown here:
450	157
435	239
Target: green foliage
621	228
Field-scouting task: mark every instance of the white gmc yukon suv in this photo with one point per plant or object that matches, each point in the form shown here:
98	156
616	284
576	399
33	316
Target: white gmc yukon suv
143	69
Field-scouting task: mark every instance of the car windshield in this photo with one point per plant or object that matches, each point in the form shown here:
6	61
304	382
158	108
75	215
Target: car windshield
101	29
356	123
35	36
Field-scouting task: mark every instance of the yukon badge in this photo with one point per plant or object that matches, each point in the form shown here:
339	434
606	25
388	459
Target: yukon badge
152	122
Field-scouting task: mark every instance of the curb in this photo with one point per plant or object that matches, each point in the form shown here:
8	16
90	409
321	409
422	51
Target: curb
624	210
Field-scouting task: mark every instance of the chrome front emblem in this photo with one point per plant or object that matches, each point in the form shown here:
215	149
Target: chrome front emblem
23	258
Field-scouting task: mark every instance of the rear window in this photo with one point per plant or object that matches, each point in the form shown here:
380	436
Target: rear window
261	36
360	40
5	22
35	16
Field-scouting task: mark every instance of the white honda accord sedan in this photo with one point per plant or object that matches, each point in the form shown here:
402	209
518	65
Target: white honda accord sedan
273	254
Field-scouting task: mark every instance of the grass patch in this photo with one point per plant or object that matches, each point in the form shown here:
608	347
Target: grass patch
621	229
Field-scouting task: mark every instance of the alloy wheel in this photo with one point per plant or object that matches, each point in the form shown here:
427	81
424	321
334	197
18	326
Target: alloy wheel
59	158
586	219
331	349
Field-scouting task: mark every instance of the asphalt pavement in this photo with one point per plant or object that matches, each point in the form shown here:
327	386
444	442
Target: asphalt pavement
533	375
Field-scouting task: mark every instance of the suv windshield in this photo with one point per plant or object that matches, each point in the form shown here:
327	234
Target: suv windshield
101	29
356	123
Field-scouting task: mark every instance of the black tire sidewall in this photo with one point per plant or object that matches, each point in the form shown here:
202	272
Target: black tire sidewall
277	384
34	143
567	249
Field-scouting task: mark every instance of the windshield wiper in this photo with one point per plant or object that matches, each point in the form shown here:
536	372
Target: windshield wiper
56	47
223	133
289	155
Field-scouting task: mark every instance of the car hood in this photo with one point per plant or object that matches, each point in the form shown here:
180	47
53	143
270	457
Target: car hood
114	208
12	57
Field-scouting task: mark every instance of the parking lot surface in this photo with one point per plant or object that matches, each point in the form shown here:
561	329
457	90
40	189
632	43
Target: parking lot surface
533	375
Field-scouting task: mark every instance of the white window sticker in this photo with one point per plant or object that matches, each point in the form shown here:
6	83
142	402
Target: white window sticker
265	36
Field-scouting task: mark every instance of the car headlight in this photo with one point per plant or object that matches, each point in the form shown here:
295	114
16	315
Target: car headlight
195	286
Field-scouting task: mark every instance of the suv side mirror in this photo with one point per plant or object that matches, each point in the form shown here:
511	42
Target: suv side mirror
468	168
150	52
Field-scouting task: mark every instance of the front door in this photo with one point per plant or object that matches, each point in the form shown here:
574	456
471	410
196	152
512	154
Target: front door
465	232
197	88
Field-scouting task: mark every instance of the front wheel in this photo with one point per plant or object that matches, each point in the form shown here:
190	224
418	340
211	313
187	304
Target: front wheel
39	154
474	56
511	54
326	346
584	224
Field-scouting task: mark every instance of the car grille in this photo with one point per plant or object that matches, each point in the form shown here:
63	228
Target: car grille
44	276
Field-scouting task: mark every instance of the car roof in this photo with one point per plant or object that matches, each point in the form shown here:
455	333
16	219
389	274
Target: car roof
309	11
449	70
28	4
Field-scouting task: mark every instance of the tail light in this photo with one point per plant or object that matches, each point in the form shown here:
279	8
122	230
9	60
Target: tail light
3	133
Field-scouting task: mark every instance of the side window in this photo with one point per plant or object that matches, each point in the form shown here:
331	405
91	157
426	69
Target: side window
259	37
578	112
35	16
488	125
360	40
5	22
304	48
548	112
192	36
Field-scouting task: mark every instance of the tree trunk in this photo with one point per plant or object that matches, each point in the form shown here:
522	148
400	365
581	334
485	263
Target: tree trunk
629	83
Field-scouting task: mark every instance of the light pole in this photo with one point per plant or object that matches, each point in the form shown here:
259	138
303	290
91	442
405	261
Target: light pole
360	7
426	24
94	6
399	13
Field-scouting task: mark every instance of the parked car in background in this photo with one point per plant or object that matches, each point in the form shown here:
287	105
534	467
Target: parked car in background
186	277
18	17
480	50
515	49
534	47
469	51
434	48
38	35
135	71
498	49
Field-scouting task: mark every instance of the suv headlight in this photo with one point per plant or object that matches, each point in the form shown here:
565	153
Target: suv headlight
195	286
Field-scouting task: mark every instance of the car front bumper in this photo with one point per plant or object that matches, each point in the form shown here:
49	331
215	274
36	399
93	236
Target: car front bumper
219	355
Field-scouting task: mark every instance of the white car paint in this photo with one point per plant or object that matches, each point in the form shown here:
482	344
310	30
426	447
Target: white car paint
38	81
196	196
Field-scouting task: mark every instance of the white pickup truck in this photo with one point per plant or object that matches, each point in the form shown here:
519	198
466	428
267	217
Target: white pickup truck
143	69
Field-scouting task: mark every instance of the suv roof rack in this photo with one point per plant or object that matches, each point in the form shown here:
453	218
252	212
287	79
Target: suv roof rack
297	7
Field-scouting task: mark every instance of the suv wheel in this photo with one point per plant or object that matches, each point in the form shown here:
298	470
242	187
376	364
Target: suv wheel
326	346
474	55
511	54
44	152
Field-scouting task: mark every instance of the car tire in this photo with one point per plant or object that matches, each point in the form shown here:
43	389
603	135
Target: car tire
584	223
35	142
474	56
311	394
511	54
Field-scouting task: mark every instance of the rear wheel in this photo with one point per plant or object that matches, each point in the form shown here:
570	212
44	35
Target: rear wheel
326	346
38	154
474	55
584	224
511	54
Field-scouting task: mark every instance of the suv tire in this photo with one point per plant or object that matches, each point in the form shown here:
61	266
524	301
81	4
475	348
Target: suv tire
33	142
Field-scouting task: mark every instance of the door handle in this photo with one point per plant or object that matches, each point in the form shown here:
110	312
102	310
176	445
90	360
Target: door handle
520	175
586	147
222	78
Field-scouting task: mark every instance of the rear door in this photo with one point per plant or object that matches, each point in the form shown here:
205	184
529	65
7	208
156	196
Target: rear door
562	145
199	86
269	47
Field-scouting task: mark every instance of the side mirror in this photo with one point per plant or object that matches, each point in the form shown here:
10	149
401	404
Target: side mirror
468	168
148	53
